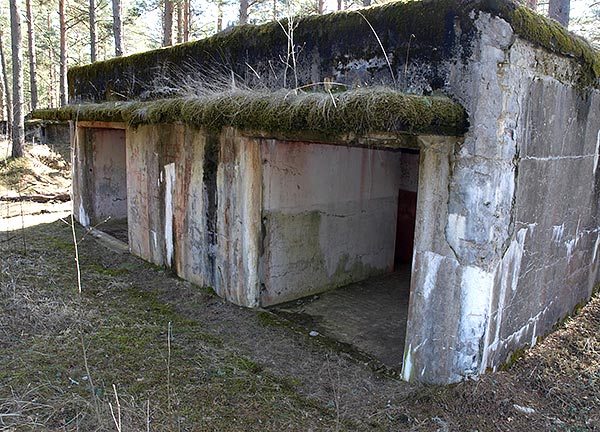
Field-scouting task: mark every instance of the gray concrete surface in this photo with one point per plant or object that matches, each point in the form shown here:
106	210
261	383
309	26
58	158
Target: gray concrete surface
369	315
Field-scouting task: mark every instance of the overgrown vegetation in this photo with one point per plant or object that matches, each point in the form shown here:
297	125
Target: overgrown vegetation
358	111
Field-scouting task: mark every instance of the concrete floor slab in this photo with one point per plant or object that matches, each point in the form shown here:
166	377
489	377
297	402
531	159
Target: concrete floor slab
116	228
369	315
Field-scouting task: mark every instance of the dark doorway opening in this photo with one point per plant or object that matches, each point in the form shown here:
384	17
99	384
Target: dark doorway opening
405	228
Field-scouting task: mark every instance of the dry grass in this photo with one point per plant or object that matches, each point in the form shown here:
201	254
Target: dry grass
227	371
374	109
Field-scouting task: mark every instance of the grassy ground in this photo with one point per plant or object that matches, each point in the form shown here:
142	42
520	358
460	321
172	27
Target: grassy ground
145	350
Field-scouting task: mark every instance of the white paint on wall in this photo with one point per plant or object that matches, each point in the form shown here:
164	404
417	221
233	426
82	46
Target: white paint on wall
83	217
169	186
456	226
597	153
517	337
570	245
430	266
558	158
476	289
509	268
515	255
557	232
596	248
407	363
154	238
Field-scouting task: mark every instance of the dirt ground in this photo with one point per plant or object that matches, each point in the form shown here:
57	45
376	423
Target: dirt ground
134	348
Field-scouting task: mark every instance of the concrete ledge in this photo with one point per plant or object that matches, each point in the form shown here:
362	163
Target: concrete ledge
109	241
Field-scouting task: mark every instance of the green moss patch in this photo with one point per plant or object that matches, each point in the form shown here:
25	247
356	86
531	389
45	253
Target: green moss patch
550	35
359	111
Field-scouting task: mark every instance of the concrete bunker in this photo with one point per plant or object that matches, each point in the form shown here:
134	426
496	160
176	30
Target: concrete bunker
501	104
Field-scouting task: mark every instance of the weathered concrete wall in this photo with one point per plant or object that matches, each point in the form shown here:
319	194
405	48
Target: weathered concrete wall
53	133
515	249
99	175
110	174
329	216
194	206
80	154
239	192
145	179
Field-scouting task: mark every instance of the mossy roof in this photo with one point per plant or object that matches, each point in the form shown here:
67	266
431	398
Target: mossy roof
427	27
361	112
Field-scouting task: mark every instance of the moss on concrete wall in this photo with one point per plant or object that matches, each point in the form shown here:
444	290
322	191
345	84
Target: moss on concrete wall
551	35
358	111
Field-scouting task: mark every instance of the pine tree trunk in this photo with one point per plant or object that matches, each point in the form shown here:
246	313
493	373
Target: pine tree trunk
51	71
32	57
186	20
93	34
320	6
560	10
7	97
18	123
243	11
339	5
117	27
168	23
62	8
179	21
219	15
2	105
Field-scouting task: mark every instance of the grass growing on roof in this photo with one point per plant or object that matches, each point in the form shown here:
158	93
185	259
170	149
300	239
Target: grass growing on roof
359	111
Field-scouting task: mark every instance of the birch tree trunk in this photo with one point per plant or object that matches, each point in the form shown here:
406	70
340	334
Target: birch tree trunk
117	27
560	10
18	122
62	8
7	97
32	57
93	34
